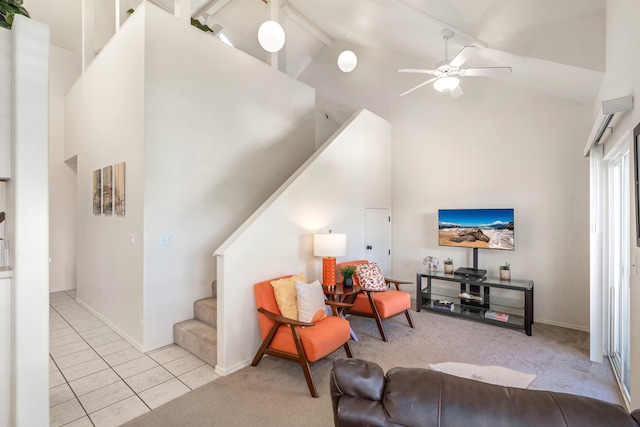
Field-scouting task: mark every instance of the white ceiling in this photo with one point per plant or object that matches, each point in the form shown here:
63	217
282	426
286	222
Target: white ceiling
554	46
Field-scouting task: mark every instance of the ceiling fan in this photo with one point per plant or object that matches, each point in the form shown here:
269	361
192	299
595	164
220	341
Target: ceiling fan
445	79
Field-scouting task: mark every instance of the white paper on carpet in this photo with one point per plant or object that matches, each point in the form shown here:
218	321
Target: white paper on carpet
497	375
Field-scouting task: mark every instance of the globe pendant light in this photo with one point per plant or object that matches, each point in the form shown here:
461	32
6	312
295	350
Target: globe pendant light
271	36
347	61
446	84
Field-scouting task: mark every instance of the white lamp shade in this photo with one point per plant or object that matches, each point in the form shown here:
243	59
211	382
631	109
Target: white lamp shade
446	84
347	61
329	245
271	36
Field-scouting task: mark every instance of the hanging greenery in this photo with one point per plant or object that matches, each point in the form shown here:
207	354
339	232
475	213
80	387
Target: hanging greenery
9	9
194	22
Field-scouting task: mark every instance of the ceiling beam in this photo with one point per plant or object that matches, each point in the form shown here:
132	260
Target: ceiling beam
401	5
211	7
309	26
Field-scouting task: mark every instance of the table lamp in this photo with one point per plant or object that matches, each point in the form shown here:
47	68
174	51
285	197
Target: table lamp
329	246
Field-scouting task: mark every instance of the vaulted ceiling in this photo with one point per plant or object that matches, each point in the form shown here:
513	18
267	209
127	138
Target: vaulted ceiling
554	46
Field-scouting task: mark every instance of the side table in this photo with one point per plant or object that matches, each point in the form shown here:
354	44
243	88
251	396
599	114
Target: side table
342	294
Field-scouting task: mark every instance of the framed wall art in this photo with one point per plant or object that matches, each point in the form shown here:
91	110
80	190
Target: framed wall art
119	192
97	191
107	190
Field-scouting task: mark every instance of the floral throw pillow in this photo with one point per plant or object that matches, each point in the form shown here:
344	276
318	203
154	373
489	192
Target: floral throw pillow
370	277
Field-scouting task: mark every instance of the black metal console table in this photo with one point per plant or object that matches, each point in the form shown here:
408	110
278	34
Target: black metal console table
472	298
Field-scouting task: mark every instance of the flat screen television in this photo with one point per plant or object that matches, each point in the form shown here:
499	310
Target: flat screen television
476	228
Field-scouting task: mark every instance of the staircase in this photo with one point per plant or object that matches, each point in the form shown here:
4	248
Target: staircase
199	335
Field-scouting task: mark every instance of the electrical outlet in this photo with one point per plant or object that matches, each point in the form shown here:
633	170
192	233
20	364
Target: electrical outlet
132	240
166	239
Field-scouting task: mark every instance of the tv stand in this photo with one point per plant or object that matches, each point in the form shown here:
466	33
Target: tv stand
515	298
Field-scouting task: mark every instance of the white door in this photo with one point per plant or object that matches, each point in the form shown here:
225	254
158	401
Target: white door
618	267
377	237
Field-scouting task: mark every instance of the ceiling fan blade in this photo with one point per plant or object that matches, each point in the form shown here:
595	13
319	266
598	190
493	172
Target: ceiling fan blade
419	86
457	92
417	70
464	55
486	71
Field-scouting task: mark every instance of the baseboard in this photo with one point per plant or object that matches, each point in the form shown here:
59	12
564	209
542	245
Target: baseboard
563	325
234	368
115	328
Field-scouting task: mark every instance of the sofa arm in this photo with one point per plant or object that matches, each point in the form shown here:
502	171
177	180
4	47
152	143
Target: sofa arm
357	385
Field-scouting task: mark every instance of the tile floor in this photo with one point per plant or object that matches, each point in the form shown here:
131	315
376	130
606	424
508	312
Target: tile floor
96	378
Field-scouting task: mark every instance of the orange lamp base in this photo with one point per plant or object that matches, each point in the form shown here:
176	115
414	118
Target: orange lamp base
329	271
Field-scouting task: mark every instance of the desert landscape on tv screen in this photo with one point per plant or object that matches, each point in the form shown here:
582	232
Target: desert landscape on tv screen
476	228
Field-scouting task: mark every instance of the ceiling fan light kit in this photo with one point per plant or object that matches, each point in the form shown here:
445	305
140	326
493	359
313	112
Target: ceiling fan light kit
446	84
445	71
271	36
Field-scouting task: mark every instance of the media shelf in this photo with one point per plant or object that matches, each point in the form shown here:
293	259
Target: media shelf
516	299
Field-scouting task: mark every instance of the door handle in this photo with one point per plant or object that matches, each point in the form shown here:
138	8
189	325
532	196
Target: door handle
369	247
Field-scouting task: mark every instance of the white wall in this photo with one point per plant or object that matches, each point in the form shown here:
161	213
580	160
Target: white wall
104	123
204	146
330	191
28	223
222	132
622	78
5	103
497	146
65	67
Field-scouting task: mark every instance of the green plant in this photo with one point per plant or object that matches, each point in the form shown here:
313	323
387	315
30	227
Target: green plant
194	22
347	271
448	261
9	9
506	266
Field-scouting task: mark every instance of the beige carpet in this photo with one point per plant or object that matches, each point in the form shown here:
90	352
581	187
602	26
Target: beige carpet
275	393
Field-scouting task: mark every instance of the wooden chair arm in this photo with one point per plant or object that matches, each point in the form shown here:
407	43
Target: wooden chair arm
397	283
282	319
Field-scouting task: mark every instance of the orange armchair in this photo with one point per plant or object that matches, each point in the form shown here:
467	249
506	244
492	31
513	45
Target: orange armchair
380	305
298	341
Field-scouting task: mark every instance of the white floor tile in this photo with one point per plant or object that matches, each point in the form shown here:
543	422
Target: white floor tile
92	324
68	349
105	396
123	356
60	394
94	381
52	366
163	393
119	413
82	422
96	332
167	354
76	358
61	332
148	379
55	379
83	369
59	323
183	365
61	341
65	412
103	339
199	376
134	367
112	347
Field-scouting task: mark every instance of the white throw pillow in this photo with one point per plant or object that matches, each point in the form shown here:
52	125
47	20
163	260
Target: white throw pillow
310	301
487	374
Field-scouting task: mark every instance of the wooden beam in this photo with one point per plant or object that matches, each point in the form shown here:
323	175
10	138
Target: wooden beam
211	7
309	26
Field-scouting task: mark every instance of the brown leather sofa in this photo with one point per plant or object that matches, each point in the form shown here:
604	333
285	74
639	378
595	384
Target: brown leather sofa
363	396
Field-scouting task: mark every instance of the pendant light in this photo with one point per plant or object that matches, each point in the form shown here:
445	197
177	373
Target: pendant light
271	36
